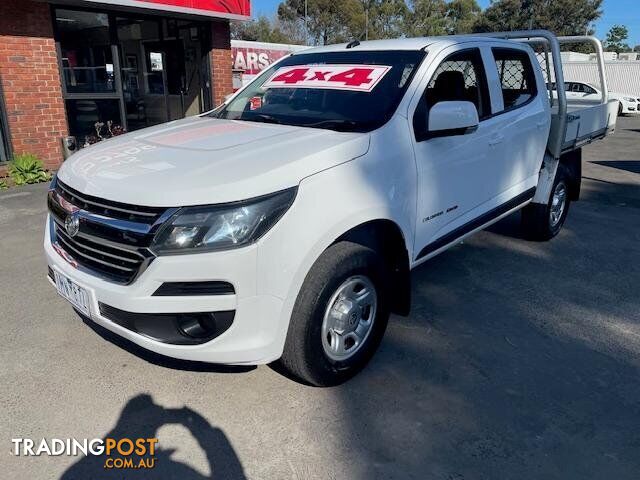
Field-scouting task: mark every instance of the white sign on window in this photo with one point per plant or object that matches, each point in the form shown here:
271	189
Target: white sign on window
156	61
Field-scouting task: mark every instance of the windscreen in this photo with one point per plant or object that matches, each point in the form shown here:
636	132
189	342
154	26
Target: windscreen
344	91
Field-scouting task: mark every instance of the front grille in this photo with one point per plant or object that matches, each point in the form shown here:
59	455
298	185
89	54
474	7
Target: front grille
109	208
118	264
113	238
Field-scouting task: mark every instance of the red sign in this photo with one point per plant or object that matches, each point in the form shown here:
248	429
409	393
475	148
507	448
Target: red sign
212	8
361	78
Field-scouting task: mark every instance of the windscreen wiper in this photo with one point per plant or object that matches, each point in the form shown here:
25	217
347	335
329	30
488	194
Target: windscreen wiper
333	124
261	117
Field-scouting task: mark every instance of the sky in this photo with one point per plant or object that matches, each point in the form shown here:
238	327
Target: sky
625	12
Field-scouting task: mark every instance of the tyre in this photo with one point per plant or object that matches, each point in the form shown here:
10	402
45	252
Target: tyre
339	317
543	222
619	109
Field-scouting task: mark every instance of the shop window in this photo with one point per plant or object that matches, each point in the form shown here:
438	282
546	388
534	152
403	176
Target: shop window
85	117
87	56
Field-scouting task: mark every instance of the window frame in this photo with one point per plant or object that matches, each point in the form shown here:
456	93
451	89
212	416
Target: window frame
529	64
483	90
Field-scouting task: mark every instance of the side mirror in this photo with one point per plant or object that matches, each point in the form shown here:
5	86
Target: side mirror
452	118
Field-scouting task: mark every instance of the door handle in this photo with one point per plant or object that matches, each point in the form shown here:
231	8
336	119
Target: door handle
496	140
541	124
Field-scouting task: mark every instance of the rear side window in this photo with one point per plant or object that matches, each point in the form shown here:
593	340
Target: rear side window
516	76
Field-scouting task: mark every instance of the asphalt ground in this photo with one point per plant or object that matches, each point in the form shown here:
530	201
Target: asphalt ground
519	360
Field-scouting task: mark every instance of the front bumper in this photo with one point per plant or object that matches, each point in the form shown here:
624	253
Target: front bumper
253	336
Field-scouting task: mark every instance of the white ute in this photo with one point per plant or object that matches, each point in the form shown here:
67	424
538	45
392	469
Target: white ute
283	225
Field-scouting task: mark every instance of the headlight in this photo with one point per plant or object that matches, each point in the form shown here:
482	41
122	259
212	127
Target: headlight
628	99
221	227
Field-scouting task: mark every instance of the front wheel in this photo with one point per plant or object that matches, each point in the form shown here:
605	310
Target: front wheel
543	222
339	317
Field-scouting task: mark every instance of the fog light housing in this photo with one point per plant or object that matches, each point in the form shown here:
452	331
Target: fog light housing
198	325
173	328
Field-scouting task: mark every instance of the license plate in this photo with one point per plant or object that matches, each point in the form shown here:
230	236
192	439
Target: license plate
74	293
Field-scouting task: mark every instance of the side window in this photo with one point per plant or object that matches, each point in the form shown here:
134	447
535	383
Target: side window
516	76
588	89
460	77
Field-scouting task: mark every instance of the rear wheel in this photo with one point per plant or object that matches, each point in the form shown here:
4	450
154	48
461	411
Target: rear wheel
543	222
339	317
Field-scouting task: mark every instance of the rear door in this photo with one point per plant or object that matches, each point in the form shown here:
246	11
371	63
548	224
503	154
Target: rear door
522	111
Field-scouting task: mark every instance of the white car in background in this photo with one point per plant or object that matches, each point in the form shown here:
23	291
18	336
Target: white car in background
577	91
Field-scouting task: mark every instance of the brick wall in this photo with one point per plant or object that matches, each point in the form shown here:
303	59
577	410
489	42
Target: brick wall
31	80
221	62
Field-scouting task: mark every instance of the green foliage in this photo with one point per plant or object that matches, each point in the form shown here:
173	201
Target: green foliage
265	30
439	17
562	17
27	168
328	21
616	39
384	18
3	185
332	21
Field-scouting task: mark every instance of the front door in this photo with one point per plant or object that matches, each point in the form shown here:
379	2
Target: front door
451	170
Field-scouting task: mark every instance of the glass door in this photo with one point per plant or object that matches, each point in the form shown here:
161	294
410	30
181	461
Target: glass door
143	70
162	75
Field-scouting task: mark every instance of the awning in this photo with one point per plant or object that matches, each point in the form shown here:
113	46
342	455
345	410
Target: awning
234	9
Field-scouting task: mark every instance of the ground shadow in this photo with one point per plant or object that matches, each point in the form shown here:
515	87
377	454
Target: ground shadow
519	359
632	166
142	418
510	226
161	360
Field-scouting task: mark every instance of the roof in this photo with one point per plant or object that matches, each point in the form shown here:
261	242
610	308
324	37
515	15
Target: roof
404	43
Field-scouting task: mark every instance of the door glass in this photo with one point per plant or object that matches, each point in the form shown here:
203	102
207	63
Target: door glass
516	76
192	101
460	77
161	63
457	78
87	59
142	88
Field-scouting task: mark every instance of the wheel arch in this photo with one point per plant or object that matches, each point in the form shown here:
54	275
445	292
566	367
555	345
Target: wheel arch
386	237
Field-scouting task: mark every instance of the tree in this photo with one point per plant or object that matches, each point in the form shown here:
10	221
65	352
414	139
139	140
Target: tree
263	29
426	18
636	48
562	17
616	39
328	21
383	18
462	15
